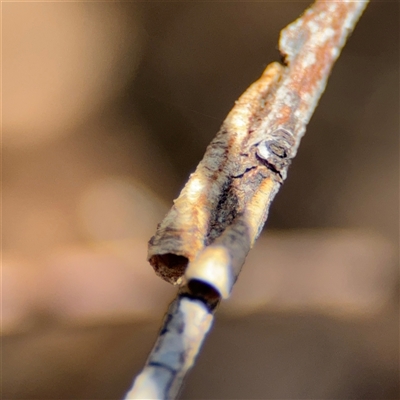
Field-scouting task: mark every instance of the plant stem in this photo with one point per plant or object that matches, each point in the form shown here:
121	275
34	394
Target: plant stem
202	243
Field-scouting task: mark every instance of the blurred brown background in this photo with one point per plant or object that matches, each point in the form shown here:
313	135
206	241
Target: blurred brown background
107	108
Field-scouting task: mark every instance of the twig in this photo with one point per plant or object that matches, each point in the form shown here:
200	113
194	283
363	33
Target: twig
185	326
204	239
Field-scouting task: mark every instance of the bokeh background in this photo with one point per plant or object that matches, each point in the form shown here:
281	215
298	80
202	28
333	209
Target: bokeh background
106	109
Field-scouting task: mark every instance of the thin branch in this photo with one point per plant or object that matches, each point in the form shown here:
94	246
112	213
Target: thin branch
204	239
185	326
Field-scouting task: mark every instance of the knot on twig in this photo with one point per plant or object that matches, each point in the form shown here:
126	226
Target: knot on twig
275	151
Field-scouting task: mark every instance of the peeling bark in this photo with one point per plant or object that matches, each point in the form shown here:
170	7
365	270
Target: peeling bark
243	168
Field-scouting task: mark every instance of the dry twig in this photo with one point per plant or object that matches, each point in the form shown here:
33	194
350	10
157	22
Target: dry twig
204	239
